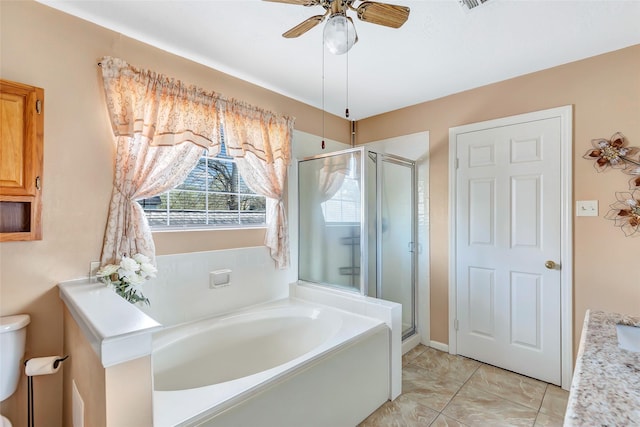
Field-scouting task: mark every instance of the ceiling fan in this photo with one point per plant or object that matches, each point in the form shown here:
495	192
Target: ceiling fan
339	33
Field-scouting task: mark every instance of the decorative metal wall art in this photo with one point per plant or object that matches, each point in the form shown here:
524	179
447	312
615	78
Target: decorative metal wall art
615	153
611	152
626	212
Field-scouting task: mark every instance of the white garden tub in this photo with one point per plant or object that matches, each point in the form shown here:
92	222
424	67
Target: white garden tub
286	363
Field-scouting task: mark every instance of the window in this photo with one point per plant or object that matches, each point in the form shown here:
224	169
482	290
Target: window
213	195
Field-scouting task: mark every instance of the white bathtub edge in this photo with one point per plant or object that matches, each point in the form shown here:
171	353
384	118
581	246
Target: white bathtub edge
316	396
386	311
292	370
186	407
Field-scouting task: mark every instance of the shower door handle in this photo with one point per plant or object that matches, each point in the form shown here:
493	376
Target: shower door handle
412	247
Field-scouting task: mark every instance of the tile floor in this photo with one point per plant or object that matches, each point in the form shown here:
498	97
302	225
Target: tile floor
439	389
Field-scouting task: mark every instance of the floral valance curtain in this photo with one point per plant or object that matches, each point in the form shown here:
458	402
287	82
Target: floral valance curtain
152	116
161	127
260	143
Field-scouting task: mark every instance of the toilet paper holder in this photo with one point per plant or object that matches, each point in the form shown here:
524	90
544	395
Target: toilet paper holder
57	362
39	366
43	365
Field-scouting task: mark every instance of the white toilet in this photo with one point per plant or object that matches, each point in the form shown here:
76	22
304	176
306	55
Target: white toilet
13	334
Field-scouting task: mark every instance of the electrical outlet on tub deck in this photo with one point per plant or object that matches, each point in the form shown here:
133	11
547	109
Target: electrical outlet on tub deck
94	266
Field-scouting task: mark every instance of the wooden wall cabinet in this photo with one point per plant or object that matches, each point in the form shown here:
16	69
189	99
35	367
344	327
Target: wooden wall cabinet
21	160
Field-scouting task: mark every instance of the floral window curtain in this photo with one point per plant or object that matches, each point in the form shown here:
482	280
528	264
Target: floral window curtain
260	143
161	127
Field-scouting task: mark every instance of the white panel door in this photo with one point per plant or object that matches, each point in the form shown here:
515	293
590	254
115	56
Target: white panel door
508	222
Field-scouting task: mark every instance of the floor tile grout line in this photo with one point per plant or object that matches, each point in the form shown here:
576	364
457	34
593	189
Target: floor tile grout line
429	373
535	420
508	400
550	413
546	385
439	377
546	389
458	391
493	394
415	356
538	411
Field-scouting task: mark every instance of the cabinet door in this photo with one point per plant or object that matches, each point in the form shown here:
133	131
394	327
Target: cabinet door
20	150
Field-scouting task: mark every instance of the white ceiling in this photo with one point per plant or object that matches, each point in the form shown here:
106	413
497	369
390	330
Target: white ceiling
442	48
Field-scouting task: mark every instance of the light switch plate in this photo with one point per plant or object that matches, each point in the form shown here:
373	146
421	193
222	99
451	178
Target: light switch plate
586	208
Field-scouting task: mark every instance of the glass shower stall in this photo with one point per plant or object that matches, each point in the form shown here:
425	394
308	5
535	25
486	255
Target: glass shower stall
357	226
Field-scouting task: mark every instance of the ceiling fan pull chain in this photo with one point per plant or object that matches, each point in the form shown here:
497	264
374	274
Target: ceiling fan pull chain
322	46
346	111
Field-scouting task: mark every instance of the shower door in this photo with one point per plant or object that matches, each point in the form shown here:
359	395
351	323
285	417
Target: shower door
331	220
394	240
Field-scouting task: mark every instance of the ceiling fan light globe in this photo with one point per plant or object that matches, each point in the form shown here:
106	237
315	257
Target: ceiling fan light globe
339	34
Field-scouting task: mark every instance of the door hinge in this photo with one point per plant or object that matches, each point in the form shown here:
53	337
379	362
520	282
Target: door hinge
457	163
455	324
38	106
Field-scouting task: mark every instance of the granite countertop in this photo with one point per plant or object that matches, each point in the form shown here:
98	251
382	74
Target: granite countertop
605	390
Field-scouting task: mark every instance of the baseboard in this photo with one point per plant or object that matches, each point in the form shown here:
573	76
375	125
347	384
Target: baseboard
410	343
439	346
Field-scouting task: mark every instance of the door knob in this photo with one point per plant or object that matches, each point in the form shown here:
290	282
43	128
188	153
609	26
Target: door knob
551	265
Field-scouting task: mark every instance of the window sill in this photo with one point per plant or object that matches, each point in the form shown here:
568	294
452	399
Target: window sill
201	230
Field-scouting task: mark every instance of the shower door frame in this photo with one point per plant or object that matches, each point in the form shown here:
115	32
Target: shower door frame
397	160
364	222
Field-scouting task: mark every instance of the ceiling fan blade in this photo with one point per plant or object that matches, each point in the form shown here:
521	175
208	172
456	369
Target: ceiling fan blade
385	14
297	2
303	27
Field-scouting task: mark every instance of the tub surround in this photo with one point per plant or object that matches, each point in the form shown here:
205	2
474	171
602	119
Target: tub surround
122	336
606	381
181	290
94	307
180	293
376	362
117	330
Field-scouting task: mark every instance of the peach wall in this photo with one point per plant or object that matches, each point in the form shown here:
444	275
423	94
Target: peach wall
47	48
605	93
175	242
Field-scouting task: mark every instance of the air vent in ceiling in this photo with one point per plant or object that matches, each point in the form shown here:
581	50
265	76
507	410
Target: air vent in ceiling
470	4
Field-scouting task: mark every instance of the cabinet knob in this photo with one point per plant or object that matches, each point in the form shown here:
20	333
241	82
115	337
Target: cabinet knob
38	183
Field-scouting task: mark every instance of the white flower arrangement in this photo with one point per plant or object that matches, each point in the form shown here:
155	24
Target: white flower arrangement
125	278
